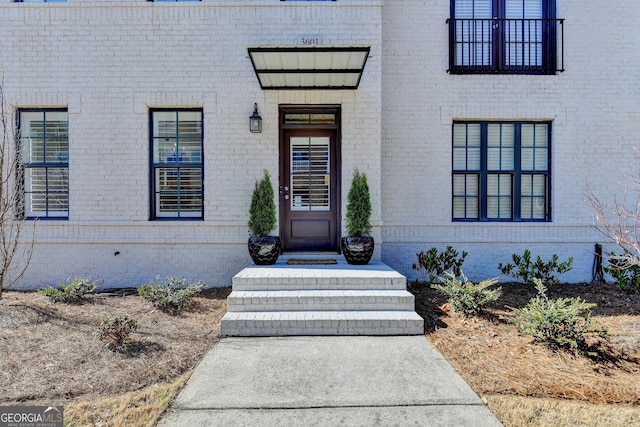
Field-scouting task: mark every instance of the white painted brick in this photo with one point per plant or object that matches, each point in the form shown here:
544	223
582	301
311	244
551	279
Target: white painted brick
109	61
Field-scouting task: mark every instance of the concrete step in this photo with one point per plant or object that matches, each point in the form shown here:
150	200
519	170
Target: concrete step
286	323
375	276
328	284
321	300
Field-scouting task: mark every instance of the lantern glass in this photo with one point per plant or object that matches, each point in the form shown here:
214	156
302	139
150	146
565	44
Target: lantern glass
255	121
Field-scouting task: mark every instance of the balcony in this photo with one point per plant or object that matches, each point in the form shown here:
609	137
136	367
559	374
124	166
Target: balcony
506	46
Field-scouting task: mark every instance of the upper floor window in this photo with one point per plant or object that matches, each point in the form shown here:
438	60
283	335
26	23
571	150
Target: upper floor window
501	171
504	36
176	164
44	149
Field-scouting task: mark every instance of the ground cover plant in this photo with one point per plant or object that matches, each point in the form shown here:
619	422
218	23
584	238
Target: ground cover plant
560	323
524	268
72	292
625	275
116	331
465	297
433	264
171	295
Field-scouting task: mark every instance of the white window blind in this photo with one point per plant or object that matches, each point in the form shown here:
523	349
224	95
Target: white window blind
474	36
44	145
310	173
523	37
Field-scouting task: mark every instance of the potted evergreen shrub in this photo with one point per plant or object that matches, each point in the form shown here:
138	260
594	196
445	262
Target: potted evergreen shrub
263	249
358	246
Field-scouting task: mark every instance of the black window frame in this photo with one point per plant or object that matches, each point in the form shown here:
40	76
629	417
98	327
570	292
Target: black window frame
178	165
61	164
516	174
493	36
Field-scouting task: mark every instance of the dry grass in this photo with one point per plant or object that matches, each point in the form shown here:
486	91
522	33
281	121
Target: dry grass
534	412
135	408
498	361
50	355
509	370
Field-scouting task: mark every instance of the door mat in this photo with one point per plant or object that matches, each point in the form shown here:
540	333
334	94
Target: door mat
294	261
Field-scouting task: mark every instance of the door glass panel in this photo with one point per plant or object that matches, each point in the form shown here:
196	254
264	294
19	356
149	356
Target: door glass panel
309	118
310	173
523	32
474	32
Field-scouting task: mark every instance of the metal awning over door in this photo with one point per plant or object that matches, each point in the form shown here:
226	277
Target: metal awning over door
318	67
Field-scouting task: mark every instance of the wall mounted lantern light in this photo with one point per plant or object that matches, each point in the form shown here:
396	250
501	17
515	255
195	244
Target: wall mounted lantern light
255	121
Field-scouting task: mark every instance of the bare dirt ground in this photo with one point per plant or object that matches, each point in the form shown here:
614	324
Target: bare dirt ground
49	353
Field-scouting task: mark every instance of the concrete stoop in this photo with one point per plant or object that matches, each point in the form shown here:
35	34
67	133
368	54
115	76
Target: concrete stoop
334	299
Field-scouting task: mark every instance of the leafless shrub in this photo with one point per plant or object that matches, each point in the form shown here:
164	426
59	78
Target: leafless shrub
15	248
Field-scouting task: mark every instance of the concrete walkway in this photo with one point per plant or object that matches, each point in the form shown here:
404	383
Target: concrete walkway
326	381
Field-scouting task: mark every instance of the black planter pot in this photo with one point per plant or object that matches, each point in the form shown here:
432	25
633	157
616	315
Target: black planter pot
357	250
264	250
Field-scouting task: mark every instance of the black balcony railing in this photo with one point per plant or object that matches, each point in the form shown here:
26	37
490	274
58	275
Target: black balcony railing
509	46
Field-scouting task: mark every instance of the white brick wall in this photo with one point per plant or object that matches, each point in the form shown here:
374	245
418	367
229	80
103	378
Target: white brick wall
593	107
109	62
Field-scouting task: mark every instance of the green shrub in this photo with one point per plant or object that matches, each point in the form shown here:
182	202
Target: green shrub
466	297
626	276
433	264
358	217
559	323
116	331
171	295
71	292
262	212
523	268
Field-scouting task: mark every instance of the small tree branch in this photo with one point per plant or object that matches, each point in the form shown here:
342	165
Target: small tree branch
15	254
621	222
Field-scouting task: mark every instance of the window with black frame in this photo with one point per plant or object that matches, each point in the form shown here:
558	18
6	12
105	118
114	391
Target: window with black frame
501	171
176	164
44	153
504	36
